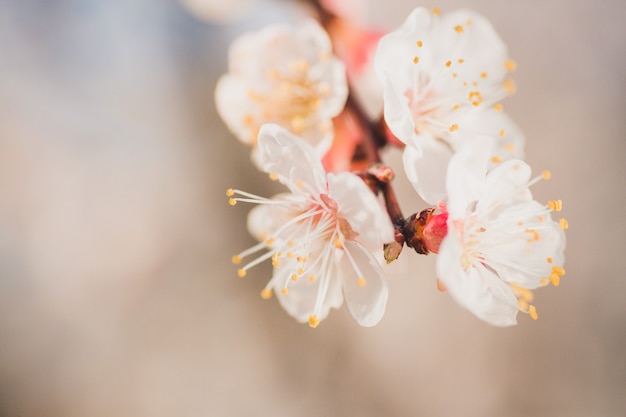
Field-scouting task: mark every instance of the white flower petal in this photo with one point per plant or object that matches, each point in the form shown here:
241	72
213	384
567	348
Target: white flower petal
301	298
477	289
358	204
296	163
426	168
366	302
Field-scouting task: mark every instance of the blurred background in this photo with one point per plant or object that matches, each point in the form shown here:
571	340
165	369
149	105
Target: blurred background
117	295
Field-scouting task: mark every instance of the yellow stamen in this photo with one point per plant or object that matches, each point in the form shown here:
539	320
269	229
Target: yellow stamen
483	75
458	29
284	291
416	59
558	270
563	224
556	205
456	107
232	201
509	86
454	75
313	321
460	61
266	294
510	147
448	63
549	260
533	312
273	176
270	241
241	272
300	184
236	259
496	159
454	127
436	11
230	192
361	282
419	44
510	65
502	132
441	286
294	277
337	243
555	279
546	175
498	107
311	278
544	282
523	304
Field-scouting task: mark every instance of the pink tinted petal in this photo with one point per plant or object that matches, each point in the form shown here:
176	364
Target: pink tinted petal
367	301
360	207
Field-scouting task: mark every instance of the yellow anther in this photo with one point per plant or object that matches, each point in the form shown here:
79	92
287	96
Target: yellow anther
509	86
419	44
270	241
337	243
523	304
300	271
291	243
248	120
436	11
236	259
460	61
289	255
454	75
555	279
300	259
297	124
241	272
558	270
502	133
496	159
541	219
483	75
311	278
458	29
510	147
266	294
546	175
313	321
456	107
510	65
523	293
468	22
441	286
273	176
361	282
549	260
533	312
275	262
475	103
544	282
555	205
284	291
563	224
448	63
230	192
232	201
498	107
294	277
416	59
454	127
299	184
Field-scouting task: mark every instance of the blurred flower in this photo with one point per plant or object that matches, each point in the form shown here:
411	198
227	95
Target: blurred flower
218	10
500	244
442	78
283	75
319	236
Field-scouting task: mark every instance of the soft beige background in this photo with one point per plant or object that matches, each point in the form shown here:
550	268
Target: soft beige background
117	296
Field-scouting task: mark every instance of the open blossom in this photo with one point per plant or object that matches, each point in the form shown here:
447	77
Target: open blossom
443	77
283	75
500	243
319	236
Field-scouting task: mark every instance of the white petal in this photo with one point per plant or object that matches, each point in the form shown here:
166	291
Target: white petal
505	184
465	179
478	289
366	303
233	107
300	301
426	169
360	207
296	162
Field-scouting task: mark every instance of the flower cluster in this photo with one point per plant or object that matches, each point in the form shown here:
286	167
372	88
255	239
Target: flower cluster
441	80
